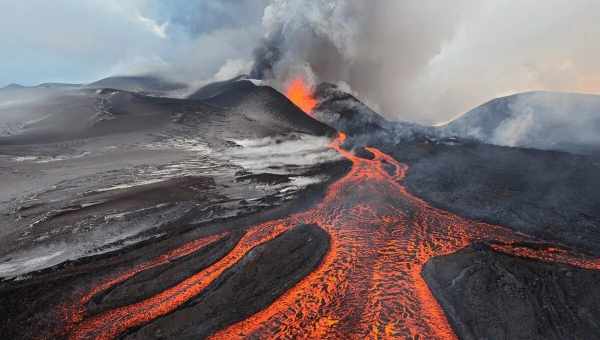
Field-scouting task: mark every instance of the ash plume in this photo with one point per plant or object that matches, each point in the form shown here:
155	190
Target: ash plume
429	61
314	38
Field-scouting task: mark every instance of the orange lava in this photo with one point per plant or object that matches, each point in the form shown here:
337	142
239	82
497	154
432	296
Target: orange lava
368	286
550	254
74	313
299	93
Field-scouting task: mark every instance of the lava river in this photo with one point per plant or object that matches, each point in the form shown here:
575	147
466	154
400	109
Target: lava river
369	284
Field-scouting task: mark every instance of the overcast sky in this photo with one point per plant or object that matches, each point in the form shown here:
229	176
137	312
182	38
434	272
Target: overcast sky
84	40
425	61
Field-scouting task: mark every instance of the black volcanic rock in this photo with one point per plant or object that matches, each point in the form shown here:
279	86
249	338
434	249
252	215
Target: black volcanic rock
142	84
257	280
543	120
550	195
490	295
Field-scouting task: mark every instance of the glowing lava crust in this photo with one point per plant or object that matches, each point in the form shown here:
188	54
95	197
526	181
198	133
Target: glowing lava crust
369	284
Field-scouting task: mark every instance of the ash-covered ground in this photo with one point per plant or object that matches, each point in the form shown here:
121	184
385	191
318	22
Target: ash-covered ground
138	182
106	168
97	179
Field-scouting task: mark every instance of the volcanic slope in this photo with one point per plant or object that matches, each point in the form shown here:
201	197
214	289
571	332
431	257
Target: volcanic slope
101	169
558	121
347	113
254	101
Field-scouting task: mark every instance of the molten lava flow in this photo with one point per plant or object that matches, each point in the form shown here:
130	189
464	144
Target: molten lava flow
301	94
76	312
369	284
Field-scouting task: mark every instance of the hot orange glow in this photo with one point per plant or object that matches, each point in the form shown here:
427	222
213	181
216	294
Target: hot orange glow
76	312
301	94
368	286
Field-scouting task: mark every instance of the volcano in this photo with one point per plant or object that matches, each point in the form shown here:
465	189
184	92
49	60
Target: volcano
240	212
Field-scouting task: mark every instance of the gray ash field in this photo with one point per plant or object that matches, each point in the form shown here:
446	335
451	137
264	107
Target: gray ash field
136	208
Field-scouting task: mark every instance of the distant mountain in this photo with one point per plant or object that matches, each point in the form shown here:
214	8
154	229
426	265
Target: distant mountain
12	86
59	85
542	120
141	84
42	86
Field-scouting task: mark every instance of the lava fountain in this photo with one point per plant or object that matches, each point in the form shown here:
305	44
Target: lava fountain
369	284
300	93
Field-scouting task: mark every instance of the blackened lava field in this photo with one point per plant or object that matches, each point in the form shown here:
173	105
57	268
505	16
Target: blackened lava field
369	283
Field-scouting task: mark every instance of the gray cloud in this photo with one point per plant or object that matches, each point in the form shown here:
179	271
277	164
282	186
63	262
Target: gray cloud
428	61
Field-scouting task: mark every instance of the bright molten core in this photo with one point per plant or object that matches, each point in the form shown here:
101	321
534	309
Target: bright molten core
300	94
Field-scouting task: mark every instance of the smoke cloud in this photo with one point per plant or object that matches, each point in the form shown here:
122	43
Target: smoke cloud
429	61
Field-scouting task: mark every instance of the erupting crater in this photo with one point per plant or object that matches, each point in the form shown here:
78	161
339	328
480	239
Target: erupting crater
300	93
368	285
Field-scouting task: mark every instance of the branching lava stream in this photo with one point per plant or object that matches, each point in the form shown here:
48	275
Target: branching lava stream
369	284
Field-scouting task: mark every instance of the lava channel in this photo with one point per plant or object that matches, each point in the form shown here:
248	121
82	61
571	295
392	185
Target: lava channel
369	284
